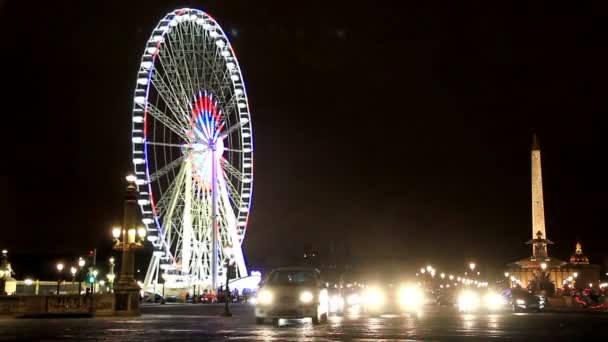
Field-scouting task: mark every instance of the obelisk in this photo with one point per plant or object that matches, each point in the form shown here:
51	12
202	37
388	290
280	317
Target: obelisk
539	235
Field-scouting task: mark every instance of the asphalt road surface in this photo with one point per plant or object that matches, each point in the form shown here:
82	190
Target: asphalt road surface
183	322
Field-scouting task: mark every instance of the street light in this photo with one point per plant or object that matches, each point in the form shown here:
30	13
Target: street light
228	253
543	266
59	267
575	274
73	271
132	239
472	266
81	264
442	275
111	276
164	276
506	274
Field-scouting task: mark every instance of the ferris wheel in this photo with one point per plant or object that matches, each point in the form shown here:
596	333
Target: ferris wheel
192	151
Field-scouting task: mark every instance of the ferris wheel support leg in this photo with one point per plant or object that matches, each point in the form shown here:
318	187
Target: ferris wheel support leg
214	250
187	228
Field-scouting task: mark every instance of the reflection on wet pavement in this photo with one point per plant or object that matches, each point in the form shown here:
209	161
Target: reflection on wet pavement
202	322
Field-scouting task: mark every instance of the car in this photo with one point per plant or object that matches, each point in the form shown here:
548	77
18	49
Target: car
524	301
208	297
392	299
292	293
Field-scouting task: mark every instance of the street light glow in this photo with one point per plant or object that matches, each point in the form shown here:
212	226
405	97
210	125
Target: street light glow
472	266
543	266
59	267
73	270
28	282
141	231
131	178
81	262
116	232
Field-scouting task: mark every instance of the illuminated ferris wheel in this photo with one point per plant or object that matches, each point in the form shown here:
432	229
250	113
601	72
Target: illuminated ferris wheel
192	151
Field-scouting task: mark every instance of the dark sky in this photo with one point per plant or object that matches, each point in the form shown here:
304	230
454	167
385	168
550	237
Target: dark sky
388	132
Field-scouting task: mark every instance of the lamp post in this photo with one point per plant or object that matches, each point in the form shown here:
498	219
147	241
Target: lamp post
111	276
164	276
81	264
73	271
59	267
228	252
472	266
4	272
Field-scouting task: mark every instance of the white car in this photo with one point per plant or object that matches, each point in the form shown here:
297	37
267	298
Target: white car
292	292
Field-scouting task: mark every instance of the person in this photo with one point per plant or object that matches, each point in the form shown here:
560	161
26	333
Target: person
187	297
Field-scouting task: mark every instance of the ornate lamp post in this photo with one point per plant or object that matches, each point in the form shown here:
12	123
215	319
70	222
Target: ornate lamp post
59	267
128	239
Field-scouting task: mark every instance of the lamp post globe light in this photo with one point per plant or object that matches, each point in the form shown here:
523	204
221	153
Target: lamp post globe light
472	266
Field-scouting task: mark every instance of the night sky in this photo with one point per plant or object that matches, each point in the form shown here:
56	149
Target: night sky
383	133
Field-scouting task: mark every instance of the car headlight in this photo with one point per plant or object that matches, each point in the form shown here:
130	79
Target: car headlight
468	301
264	297
374	297
493	301
520	302
411	298
306	297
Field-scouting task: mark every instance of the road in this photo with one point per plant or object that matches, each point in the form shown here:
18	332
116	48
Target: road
175	322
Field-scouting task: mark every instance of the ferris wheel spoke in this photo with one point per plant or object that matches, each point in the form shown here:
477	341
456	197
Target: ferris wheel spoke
233	150
167	92
233	171
154	143
167	168
181	74
234	128
166	121
170	86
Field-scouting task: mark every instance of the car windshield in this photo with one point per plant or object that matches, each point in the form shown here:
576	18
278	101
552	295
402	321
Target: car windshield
292	278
